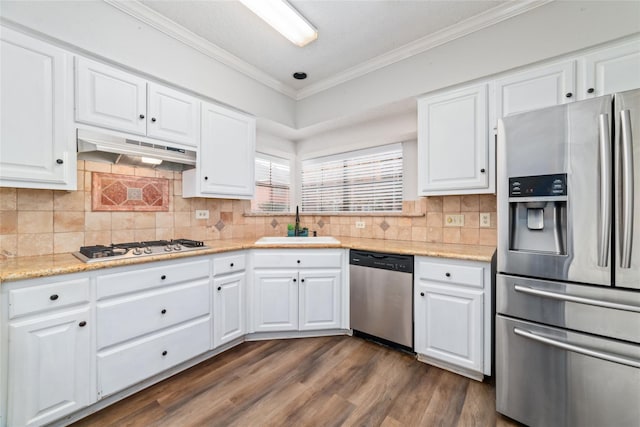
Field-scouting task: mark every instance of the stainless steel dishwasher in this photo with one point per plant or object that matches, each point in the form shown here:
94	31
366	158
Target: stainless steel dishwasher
382	296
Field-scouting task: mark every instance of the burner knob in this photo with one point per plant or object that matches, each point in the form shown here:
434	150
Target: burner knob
147	250
167	248
137	251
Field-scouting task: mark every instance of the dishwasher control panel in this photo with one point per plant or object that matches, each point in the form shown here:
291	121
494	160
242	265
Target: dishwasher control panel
401	263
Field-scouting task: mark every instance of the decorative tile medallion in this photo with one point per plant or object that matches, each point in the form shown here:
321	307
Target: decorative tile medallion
274	223
321	223
113	192
384	225
219	225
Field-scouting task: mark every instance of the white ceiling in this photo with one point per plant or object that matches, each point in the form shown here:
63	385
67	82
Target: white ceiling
355	37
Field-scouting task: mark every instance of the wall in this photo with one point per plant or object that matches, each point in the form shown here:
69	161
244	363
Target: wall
554	29
42	222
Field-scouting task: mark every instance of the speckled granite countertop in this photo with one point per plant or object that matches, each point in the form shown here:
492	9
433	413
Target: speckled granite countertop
21	268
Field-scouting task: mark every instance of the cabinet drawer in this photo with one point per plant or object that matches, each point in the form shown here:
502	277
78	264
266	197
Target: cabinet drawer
134	362
302	258
48	297
228	264
146	278
125	318
451	273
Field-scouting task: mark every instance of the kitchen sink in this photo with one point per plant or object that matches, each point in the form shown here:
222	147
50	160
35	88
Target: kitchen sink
277	240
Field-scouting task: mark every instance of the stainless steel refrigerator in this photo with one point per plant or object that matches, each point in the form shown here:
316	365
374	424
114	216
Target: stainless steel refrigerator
568	282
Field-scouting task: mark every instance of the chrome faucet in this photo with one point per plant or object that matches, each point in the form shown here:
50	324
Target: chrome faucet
297	229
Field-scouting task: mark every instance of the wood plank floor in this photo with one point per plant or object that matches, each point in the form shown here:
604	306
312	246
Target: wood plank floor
327	381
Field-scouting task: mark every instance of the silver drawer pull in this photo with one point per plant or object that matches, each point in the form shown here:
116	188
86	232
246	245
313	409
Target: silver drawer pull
577	349
579	300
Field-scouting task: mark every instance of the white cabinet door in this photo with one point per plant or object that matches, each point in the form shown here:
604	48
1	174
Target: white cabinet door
320	299
228	308
536	88
110	98
449	324
37	144
172	115
226	161
275	295
453	142
612	70
50	374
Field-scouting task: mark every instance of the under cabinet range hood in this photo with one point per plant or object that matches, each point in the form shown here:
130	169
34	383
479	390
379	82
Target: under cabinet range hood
123	150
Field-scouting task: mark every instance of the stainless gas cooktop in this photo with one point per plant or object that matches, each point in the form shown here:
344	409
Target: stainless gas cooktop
136	249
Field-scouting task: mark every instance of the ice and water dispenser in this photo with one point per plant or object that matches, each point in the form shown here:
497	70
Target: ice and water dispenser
538	214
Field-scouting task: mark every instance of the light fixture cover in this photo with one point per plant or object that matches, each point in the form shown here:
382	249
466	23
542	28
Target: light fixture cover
284	19
150	160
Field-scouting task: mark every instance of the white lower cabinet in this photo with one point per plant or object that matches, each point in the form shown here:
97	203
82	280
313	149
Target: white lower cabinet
229	297
50	360
275	300
228	308
452	309
319	299
451	324
292	300
132	362
297	299
149	320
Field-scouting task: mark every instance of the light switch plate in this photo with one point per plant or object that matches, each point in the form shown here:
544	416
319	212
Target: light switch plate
359	224
451	220
202	214
485	219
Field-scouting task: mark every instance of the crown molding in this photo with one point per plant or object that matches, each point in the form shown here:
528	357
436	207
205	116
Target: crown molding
172	29
463	28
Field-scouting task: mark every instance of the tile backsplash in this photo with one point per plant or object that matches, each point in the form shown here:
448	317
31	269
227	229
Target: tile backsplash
41	222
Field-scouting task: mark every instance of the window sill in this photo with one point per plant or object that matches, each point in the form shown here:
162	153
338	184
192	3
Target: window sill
365	214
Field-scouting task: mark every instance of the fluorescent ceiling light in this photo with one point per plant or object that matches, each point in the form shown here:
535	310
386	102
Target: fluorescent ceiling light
284	19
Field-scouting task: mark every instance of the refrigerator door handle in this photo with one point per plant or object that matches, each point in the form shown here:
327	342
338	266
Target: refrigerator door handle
578	349
626	151
604	217
572	298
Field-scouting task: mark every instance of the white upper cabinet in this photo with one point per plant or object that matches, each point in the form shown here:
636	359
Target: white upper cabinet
37	144
615	69
110	98
536	88
173	116
454	152
117	100
226	160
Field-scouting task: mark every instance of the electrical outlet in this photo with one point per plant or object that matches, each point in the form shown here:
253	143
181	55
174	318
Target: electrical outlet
453	220
202	214
359	224
485	220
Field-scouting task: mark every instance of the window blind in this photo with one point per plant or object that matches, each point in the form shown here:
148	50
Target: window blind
359	181
273	182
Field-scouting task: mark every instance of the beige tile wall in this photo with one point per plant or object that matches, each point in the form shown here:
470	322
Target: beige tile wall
40	222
